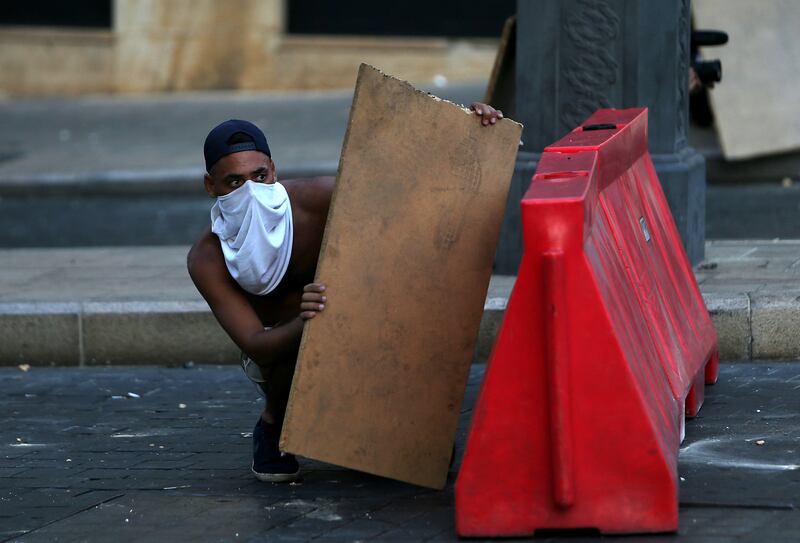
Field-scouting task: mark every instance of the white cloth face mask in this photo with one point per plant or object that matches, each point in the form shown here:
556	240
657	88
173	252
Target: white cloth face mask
254	227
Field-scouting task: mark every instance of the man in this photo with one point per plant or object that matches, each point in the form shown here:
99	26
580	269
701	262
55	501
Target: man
255	267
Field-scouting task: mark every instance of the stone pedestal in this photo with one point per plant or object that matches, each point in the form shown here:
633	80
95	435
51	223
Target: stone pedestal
575	56
509	247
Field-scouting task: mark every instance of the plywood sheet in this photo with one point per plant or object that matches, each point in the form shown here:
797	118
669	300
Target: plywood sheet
407	257
756	106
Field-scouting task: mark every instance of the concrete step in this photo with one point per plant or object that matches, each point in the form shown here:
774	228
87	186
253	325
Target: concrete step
171	210
137	305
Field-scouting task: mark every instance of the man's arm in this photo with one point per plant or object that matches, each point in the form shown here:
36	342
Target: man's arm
235	314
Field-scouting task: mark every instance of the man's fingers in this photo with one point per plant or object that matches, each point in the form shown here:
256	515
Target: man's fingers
313	297
487	113
312	301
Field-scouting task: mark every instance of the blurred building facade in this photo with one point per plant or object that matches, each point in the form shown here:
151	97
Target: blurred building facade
50	48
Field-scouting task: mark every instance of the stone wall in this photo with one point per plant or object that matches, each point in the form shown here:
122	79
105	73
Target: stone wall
184	45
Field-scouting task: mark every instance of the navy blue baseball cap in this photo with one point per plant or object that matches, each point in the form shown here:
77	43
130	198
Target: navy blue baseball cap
218	141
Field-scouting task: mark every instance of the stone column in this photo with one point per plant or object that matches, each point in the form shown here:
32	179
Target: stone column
575	56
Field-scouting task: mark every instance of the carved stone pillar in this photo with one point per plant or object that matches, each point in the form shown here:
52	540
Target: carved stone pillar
575	56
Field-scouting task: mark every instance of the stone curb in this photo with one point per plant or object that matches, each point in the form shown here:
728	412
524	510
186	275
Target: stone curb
732	319
97	333
172	333
775	326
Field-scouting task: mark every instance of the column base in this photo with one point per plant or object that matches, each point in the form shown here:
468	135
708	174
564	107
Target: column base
509	246
683	179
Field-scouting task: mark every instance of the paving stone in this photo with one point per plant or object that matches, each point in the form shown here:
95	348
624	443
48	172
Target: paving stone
11	535
162	464
431	523
307	527
8	472
365	528
732	488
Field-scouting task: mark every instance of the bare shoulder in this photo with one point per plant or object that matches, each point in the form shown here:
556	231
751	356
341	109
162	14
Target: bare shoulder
205	256
312	194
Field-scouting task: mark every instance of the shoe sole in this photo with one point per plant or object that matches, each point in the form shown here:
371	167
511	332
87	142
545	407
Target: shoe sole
276	477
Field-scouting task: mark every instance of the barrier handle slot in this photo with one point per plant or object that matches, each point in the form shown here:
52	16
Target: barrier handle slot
599	126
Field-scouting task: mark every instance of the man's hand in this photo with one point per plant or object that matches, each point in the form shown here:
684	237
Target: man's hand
313	300
488	114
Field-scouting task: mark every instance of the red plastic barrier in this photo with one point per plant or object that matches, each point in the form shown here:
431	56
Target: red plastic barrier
605	348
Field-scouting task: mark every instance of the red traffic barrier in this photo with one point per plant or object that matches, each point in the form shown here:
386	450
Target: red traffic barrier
604	350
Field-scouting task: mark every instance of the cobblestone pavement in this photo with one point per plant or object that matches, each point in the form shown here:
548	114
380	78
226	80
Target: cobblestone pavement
163	454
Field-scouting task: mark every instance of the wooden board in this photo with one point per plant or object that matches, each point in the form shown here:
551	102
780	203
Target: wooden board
756	106
407	257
